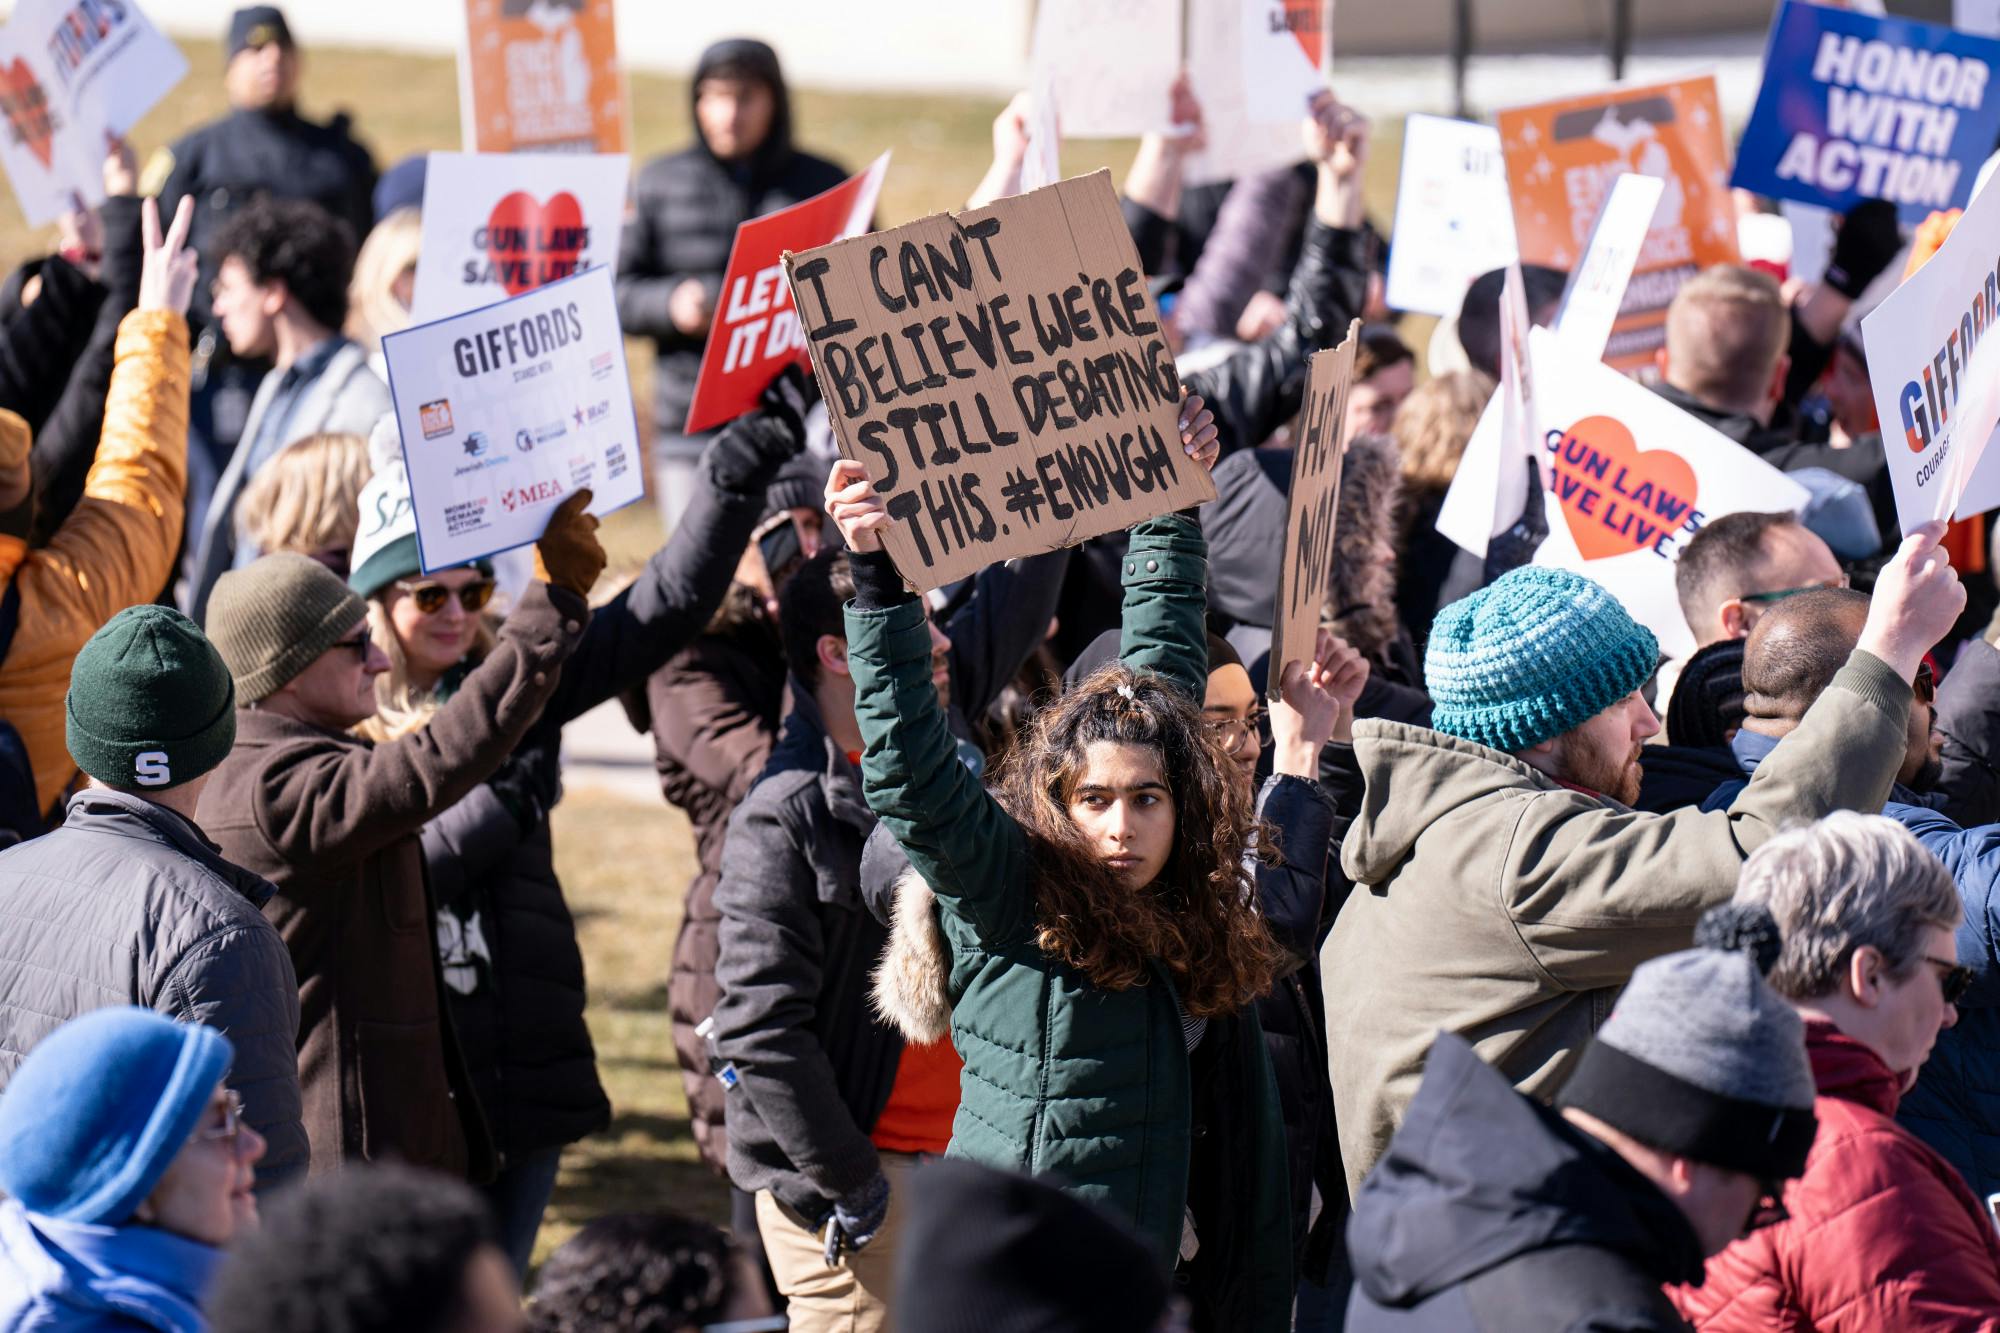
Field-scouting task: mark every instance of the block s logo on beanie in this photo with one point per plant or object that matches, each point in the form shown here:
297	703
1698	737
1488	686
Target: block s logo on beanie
150	768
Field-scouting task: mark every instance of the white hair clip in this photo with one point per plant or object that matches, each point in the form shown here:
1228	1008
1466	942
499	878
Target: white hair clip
1129	693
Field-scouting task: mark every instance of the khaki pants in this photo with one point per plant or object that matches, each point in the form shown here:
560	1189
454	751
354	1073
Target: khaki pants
853	1297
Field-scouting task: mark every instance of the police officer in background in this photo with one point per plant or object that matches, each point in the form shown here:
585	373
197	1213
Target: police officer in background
262	147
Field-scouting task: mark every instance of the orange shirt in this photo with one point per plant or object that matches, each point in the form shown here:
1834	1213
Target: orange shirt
922	1101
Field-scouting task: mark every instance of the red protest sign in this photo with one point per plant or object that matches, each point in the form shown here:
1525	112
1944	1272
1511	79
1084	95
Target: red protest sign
756	332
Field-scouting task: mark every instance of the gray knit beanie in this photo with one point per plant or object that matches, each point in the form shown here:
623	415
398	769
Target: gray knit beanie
149	703
272	618
1701	1058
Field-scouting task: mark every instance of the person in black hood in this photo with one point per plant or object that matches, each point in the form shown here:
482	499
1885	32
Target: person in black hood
686	208
1685	1116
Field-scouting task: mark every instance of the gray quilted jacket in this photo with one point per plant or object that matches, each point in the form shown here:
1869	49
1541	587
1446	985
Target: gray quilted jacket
127	903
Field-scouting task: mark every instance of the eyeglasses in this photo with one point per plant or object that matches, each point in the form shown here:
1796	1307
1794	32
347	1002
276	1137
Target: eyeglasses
1955	979
1769	1210
358	645
1924	687
430	595
232	1124
1236	732
1782	593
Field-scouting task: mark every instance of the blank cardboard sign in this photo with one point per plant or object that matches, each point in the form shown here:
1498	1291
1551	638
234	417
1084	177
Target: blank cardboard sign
1002	375
1314	505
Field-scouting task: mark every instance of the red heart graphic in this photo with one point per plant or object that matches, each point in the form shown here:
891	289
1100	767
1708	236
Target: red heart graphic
27	107
530	243
1615	497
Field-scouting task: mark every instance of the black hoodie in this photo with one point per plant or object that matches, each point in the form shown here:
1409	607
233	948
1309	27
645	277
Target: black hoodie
686	207
1491	1213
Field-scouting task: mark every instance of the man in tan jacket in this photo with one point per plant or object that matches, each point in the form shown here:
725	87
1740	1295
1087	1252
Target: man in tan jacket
1504	891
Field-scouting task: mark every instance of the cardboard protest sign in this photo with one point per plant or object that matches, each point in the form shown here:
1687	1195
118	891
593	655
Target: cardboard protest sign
1487	490
71	73
541	75
1857	107
1562	158
1453	218
506	409
1313	506
1628	478
756	332
1936	375
1111	63
1002	374
499	224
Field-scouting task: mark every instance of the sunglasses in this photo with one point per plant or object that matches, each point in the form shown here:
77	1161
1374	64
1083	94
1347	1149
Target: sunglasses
430	595
1924	687
358	645
1955	979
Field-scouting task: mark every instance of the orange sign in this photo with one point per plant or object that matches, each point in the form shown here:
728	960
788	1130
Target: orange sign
542	76
1562	158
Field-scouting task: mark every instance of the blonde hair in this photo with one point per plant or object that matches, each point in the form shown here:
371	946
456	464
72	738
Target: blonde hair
1726	329
400	707
1434	425
307	497
389	252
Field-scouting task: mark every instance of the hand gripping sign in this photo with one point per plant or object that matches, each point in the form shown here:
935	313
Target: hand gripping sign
1002	375
756	332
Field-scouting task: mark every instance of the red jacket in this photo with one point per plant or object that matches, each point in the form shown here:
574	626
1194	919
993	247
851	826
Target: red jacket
1883	1233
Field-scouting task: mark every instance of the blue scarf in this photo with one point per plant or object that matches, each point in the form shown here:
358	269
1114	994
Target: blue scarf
101	1274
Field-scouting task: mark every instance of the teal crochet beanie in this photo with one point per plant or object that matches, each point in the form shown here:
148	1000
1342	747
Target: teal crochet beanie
1531	655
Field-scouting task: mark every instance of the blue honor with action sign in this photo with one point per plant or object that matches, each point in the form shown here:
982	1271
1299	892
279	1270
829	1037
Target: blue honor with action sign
1855	107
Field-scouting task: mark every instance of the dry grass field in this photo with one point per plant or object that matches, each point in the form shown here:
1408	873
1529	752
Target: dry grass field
625	864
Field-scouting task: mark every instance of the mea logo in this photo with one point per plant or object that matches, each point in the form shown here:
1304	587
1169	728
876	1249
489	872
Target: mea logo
435	418
150	768
515	496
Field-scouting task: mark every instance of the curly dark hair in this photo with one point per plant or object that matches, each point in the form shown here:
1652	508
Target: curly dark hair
299	244
1199	919
635	1273
371	1249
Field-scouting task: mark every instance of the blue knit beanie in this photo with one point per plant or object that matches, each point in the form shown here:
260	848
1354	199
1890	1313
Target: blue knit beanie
1531	655
100	1109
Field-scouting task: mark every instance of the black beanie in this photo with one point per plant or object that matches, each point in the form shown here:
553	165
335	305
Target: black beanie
1707	703
985	1251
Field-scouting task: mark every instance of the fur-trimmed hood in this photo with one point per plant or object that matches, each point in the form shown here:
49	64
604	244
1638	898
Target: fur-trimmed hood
912	980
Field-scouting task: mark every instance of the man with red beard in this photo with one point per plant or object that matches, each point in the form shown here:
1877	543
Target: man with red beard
1504	890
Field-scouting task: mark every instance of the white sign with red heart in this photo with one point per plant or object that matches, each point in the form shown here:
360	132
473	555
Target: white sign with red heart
500	224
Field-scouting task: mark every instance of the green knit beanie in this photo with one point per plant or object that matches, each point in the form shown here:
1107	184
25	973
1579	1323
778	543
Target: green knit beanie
271	619
1531	655
150	704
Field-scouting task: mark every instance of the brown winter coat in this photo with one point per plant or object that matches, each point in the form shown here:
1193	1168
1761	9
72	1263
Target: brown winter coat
333	821
1493	902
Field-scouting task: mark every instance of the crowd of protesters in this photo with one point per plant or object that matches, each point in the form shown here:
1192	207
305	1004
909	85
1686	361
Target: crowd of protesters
1055	959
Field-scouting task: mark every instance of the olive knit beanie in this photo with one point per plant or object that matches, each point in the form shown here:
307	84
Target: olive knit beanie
272	618
150	704
1533	654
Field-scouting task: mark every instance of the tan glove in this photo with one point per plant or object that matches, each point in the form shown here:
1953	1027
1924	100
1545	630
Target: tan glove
568	555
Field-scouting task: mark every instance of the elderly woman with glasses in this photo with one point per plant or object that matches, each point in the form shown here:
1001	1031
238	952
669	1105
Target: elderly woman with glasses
127	1169
1882	1233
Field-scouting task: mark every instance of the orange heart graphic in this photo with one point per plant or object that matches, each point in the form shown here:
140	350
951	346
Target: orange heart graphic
29	119
1616	497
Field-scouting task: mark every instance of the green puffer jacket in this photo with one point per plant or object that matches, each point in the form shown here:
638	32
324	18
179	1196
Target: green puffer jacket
1061	1075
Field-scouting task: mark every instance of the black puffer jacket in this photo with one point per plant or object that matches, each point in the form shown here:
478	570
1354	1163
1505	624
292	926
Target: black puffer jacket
513	972
1491	1214
686	208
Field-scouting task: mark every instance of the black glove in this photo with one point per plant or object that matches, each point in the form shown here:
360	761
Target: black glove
753	447
529	784
857	1218
1867	239
1517	545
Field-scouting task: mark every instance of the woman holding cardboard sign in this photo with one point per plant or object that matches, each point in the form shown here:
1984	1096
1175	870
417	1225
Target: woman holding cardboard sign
1104	1013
